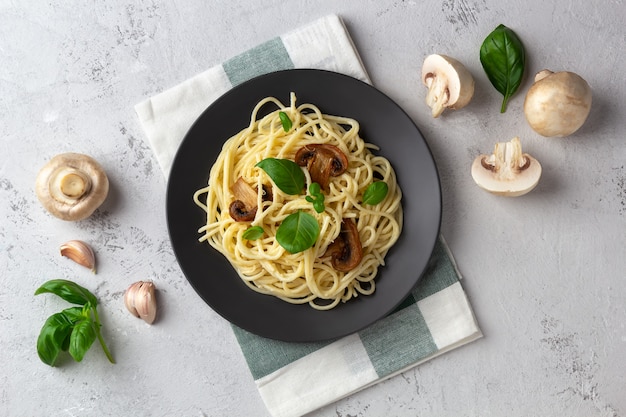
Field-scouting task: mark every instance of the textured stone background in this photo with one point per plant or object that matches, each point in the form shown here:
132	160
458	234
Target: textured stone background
545	272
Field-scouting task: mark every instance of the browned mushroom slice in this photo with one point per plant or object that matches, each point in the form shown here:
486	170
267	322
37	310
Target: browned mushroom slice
322	161
346	250
244	208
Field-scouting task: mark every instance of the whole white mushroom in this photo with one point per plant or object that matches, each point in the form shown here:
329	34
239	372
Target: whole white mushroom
71	186
558	103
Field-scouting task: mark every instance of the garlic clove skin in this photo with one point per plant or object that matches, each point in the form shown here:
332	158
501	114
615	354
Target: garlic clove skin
140	300
79	252
129	298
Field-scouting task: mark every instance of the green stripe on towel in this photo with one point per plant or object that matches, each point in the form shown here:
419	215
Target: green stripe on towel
397	341
267	57
440	274
265	356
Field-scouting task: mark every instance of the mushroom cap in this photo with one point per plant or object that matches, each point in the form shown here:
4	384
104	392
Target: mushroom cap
558	103
71	186
508	172
459	81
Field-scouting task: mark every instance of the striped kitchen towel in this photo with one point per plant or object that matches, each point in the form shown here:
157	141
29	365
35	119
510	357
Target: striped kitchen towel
296	378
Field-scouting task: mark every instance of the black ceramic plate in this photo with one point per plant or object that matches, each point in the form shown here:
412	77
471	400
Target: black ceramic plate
383	123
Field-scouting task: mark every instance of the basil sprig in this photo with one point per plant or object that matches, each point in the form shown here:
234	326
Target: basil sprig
298	232
503	59
286	174
72	330
316	198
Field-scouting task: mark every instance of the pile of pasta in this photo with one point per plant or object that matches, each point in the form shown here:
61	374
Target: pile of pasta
263	264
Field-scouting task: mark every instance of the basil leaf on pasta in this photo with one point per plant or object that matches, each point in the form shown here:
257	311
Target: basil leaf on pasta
253	233
286	174
285	121
298	232
375	193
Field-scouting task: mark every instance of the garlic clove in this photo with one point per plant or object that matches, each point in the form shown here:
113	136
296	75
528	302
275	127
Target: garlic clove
79	252
129	298
140	300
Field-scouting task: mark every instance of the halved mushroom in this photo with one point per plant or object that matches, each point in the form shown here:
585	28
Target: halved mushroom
450	84
508	171
244	208
71	186
346	250
558	103
322	162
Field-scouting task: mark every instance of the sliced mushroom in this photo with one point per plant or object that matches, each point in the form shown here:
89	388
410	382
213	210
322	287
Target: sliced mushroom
322	161
508	171
244	208
71	186
346	250
450	84
267	193
558	103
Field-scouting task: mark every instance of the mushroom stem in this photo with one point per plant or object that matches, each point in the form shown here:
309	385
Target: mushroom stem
507	159
438	94
507	171
68	185
73	185
542	74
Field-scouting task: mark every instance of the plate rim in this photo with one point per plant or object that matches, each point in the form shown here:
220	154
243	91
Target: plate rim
342	78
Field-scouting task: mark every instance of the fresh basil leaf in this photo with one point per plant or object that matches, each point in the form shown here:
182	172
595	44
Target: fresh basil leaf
319	206
285	120
69	291
52	337
253	233
316	198
502	56
75	314
375	193
81	339
315	188
298	232
286	174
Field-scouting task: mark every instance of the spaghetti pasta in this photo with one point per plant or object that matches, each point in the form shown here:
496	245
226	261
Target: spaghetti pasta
263	264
